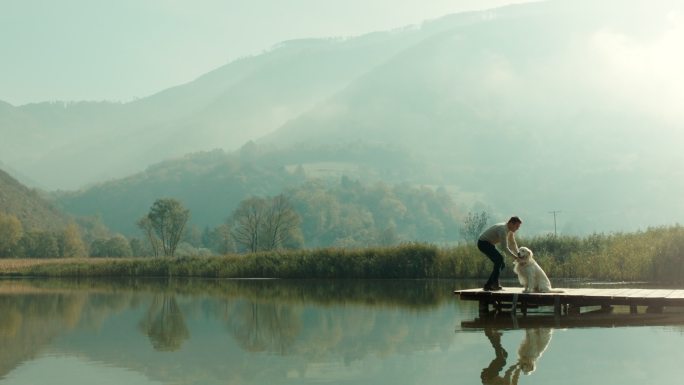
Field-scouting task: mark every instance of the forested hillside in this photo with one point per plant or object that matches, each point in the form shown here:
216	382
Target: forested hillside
30	226
28	206
334	190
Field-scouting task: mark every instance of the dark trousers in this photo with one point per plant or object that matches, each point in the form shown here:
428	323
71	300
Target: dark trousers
488	249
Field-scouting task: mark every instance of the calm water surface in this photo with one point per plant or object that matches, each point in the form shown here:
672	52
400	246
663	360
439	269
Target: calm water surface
304	332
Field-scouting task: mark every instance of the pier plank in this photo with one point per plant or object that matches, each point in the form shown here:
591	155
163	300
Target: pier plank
578	297
676	294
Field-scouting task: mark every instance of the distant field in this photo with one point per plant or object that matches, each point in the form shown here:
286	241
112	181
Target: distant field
9	266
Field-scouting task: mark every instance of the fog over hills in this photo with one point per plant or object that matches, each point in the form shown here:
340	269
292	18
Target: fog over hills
225	108
569	106
539	107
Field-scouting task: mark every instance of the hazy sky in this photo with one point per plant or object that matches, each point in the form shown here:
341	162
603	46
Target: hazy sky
124	49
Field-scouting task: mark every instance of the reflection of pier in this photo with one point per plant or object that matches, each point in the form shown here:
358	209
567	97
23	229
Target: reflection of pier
571	301
594	319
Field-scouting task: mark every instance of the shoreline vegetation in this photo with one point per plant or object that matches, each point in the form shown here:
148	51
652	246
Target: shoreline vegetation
653	255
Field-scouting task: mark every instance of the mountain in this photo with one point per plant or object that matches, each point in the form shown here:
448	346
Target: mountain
535	108
569	106
33	211
66	145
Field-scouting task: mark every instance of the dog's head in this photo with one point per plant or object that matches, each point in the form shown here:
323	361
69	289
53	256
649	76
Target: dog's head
525	254
527	365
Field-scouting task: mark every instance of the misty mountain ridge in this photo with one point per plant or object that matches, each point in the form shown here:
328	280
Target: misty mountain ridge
225	108
525	109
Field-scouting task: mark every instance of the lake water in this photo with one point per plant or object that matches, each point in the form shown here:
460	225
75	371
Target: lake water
272	332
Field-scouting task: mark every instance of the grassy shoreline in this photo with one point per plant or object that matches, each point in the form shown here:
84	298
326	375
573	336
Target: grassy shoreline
654	255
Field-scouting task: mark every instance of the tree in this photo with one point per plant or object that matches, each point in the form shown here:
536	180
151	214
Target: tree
221	239
266	224
167	218
388	236
138	248
280	224
193	236
92	228
71	242
116	246
247	219
39	244
98	248
145	224
11	232
474	224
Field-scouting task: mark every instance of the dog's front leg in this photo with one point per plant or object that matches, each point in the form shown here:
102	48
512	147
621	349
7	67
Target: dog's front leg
531	282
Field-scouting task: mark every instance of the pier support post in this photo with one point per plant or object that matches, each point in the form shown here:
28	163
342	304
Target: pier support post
484	307
514	304
632	309
556	305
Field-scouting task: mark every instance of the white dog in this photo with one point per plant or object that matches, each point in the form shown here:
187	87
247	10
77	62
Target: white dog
531	348
530	274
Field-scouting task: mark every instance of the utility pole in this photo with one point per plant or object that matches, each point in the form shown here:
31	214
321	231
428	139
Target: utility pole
554	221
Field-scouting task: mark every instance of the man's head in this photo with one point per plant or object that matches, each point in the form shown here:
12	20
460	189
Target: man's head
514	224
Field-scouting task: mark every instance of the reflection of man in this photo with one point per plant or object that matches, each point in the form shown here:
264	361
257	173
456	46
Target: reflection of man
531	348
490	374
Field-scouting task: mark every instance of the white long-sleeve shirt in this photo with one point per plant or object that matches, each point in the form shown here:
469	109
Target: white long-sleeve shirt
500	235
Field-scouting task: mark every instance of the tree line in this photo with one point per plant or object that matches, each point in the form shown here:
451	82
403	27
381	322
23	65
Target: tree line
345	213
258	224
16	242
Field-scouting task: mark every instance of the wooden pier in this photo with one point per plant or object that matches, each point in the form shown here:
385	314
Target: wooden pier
571	301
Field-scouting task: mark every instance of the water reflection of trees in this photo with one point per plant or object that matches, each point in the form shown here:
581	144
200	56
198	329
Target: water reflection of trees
164	323
317	334
34	313
308	321
29	322
265	326
418	294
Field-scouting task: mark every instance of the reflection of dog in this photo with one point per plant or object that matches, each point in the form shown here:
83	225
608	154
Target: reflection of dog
532	347
530	274
534	343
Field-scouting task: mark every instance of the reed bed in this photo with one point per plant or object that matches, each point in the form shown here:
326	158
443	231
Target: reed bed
654	255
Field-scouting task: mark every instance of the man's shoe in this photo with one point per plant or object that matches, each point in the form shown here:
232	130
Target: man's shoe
487	288
497	288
